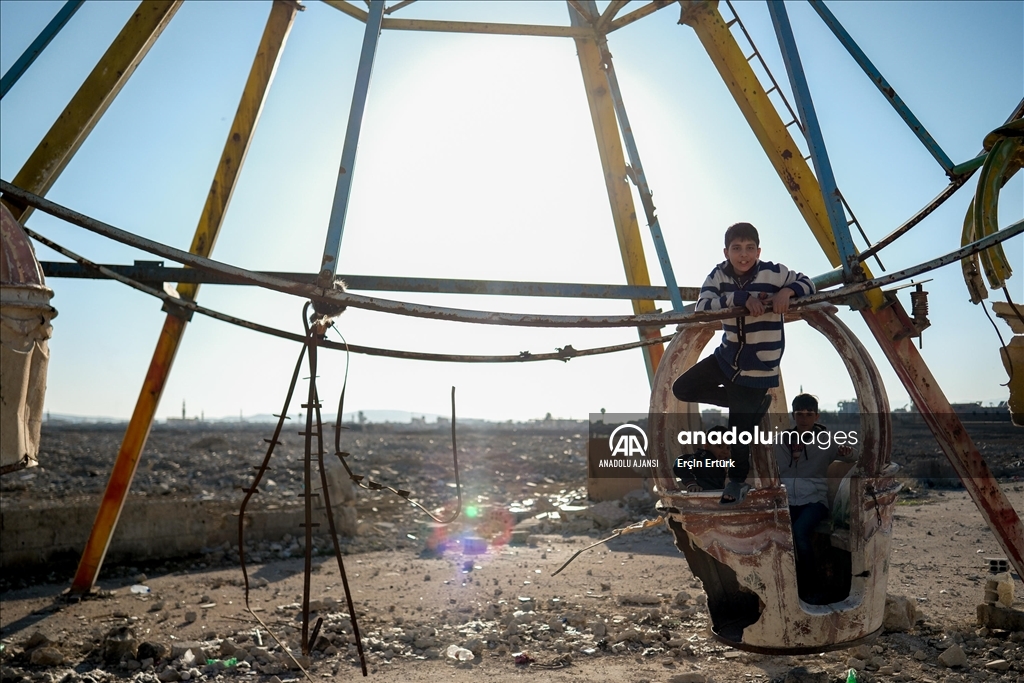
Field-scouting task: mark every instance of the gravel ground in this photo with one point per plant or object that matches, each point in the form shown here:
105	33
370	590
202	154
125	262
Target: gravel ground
627	611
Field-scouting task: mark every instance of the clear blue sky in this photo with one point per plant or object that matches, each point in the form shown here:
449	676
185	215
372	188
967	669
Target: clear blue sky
478	161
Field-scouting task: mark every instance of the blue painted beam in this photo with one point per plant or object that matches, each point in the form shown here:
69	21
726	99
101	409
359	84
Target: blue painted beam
156	272
883	86
815	140
38	45
343	189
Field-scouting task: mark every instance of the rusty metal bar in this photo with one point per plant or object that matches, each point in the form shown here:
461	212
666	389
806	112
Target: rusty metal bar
257	85
88	104
815	140
638	176
963	173
872	72
398	5
466	315
609	14
343	186
398	24
156	272
613	163
953	438
638	14
583	11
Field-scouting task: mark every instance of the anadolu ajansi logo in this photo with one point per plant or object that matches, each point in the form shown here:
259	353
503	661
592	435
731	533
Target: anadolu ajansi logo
625	441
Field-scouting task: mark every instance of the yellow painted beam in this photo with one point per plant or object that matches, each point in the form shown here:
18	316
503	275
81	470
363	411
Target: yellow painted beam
613	162
96	93
767	125
446	26
279	24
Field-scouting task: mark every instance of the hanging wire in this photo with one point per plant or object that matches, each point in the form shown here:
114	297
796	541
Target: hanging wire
371	485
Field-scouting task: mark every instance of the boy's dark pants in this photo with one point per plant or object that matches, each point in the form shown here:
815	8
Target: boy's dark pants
706	383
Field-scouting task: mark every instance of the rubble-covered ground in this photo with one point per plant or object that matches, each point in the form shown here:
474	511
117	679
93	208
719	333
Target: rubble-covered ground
475	600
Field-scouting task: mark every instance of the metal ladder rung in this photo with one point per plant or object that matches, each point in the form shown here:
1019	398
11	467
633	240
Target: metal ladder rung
730	23
790	123
770	90
754	54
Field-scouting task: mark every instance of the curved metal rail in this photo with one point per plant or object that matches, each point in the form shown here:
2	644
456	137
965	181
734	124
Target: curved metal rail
341	299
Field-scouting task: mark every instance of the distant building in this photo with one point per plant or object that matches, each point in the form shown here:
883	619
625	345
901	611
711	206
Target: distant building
850	406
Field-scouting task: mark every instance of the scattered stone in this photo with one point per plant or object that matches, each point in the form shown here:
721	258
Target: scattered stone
920	655
118	643
179	649
474	645
47	656
953	657
900	614
997	665
688	677
639	599
169	675
191	616
855	663
151	650
681	598
35	640
802	674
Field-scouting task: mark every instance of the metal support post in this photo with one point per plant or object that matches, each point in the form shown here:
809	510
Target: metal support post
815	140
38	45
282	13
887	90
602	112
953	438
84	110
638	176
343	189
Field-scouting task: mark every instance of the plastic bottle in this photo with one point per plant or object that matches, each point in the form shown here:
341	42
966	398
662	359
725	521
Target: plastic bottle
851	677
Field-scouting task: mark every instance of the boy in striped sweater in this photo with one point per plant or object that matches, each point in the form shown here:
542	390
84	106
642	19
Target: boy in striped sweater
746	363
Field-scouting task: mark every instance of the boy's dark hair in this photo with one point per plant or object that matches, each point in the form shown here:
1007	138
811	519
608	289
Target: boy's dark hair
805	402
741	231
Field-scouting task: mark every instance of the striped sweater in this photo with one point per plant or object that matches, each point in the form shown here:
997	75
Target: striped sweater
751	347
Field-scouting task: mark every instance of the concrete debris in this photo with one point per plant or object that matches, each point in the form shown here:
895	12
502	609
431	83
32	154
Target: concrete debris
900	614
607	514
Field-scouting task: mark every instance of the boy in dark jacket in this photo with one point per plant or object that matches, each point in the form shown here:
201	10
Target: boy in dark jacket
746	363
804	455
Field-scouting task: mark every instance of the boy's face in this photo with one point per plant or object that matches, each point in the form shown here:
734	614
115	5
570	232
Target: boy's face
742	254
805	419
720	451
